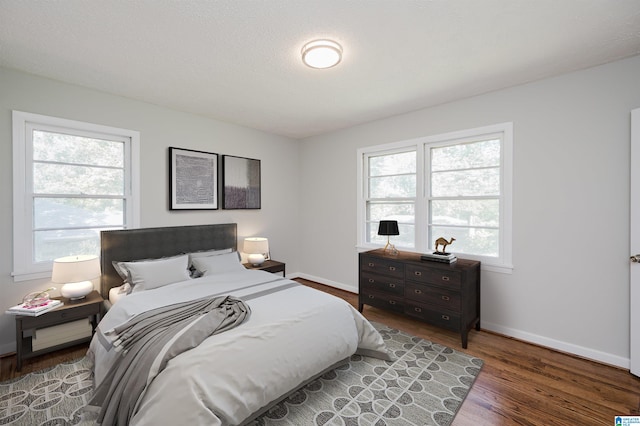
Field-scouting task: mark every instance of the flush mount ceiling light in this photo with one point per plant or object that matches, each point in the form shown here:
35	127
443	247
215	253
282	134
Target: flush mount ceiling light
321	53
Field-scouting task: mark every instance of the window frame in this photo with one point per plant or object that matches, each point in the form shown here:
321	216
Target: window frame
24	267
501	263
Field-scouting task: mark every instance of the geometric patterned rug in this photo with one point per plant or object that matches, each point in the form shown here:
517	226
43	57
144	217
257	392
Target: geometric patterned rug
425	385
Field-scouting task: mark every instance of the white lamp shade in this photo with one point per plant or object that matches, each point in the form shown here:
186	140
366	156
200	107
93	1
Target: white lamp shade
256	248
76	273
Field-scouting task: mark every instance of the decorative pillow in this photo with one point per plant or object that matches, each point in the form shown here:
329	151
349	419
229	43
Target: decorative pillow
146	275
218	264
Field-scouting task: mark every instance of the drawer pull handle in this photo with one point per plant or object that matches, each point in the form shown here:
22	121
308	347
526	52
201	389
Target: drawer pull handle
371	264
418	309
447	298
418	273
445	278
392	268
371	280
391	285
392	302
418	291
445	317
371	296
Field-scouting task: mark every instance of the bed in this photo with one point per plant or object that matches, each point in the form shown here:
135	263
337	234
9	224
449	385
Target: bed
290	334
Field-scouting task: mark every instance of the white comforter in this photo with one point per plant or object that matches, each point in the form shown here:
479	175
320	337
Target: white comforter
291	336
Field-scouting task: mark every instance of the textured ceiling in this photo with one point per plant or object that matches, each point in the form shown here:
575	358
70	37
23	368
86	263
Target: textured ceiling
239	60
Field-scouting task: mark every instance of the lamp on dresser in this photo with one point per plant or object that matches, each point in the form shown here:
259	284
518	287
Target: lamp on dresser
389	227
257	248
76	273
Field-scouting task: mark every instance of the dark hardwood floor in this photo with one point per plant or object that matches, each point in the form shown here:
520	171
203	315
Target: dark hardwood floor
520	383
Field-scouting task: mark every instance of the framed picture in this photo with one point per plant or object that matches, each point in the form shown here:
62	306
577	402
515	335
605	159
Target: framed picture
193	179
240	183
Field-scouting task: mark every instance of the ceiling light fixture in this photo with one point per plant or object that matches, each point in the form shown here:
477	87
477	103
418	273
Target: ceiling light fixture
321	54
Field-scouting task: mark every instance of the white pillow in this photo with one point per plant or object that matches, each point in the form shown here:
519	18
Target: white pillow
157	273
193	271
218	264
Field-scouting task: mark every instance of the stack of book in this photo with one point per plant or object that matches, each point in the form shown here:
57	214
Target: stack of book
34	311
439	257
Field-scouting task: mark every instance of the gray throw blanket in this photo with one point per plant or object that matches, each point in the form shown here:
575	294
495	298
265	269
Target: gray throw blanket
149	341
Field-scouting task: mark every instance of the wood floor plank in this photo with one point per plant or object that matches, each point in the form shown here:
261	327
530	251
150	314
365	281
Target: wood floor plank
520	383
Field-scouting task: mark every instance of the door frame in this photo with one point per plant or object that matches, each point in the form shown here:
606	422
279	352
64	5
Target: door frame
634	237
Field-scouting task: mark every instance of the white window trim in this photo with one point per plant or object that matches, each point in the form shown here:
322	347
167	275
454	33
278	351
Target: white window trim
503	263
23	268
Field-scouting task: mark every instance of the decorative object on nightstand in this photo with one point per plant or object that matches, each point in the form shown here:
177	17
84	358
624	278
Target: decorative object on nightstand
389	227
76	273
257	248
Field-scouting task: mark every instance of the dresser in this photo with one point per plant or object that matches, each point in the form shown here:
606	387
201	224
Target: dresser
442	294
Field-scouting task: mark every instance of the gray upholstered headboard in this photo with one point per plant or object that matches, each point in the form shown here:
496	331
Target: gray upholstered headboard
151	243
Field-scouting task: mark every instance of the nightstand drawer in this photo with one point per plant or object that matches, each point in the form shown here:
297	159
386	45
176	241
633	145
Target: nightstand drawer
382	266
391	285
383	301
58	316
433	295
429	274
443	319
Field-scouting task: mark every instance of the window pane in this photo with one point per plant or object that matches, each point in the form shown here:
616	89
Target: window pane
405	239
49	245
466	155
76	212
58	147
402	212
483	242
66	179
466	183
392	186
392	164
465	212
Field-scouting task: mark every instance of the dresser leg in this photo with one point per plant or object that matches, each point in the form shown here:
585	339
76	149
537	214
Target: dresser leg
360	307
465	338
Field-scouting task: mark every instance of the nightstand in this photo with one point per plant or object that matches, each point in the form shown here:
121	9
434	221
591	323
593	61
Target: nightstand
90	307
272	266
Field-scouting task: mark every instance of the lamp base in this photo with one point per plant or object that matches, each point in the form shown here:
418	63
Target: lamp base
390	248
76	291
256	259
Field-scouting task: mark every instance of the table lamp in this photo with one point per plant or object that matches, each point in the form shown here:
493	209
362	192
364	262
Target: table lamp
389	227
257	248
76	273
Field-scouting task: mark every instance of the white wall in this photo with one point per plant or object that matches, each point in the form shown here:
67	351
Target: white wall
159	128
570	285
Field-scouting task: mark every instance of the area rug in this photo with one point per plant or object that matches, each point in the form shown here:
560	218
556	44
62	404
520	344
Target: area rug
424	385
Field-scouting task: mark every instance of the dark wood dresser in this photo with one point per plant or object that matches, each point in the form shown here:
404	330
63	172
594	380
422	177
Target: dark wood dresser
442	294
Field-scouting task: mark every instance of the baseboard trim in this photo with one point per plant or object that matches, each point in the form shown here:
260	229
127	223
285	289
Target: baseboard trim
324	281
557	345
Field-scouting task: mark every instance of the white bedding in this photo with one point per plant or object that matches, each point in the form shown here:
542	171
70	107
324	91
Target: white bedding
292	335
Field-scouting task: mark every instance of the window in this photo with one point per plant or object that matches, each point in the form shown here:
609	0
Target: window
71	180
454	185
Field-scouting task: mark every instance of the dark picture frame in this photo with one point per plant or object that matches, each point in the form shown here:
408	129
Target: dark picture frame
241	183
193	179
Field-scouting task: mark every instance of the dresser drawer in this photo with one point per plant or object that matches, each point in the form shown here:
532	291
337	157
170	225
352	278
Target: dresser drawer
382	283
386	267
381	300
441	318
439	296
433	275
